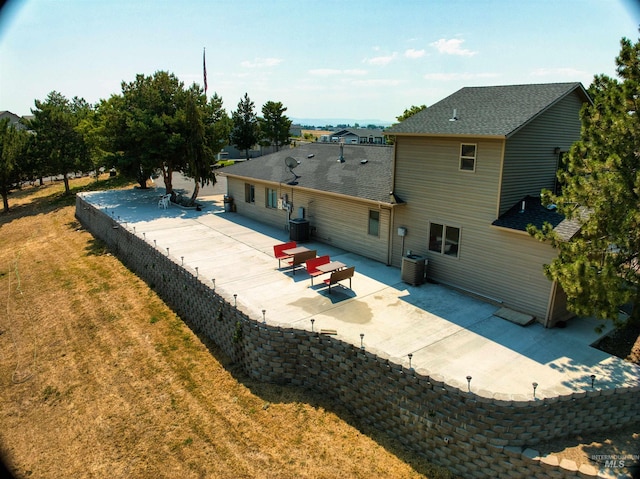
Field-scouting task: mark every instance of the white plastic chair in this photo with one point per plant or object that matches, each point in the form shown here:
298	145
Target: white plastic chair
164	202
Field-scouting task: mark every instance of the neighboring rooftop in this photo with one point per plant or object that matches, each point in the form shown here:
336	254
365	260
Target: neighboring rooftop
486	111
365	172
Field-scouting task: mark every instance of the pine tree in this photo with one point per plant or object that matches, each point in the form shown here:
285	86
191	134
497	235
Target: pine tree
246	130
599	268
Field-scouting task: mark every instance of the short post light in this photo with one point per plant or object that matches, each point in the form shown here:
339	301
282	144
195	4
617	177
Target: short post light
410	356
312	321
535	385
235	300
469	383
593	380
264	319
362	341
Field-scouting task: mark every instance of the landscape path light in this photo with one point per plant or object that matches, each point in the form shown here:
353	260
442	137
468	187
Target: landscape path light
469	383
410	356
593	380
535	385
312	321
362	341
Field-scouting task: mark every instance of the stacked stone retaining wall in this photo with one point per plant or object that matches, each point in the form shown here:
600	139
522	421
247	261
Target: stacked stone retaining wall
474	435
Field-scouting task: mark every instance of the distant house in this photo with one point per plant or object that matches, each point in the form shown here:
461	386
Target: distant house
471	168
458	188
295	130
352	136
14	119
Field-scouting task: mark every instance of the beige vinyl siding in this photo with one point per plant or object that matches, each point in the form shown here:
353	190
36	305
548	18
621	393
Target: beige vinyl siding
493	263
530	163
428	179
339	221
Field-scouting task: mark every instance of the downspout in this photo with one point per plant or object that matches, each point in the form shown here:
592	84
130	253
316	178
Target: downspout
392	216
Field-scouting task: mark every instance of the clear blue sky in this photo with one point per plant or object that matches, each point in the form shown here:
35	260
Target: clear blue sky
358	59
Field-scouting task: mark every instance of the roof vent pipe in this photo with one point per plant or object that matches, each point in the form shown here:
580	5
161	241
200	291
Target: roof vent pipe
455	115
341	157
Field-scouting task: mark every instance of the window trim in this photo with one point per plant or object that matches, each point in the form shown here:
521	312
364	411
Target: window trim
250	193
445	227
377	223
467	157
267	198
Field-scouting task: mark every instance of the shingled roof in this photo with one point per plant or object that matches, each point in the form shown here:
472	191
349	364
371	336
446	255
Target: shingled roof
497	111
365	172
536	214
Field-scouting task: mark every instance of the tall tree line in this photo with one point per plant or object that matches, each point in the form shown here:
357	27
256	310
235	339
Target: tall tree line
154	126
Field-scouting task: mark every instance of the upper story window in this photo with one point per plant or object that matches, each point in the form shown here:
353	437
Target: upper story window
249	193
374	222
468	156
271	200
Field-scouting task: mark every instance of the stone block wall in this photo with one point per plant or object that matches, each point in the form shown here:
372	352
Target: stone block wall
473	434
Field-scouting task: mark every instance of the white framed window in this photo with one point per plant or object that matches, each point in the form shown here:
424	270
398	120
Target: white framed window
444	239
249	193
271	200
374	223
468	156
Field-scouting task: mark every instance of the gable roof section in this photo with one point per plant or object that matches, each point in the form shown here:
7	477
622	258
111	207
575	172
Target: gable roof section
534	213
365	173
360	132
497	111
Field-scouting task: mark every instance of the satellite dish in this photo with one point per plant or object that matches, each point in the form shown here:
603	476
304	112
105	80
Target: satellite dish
291	164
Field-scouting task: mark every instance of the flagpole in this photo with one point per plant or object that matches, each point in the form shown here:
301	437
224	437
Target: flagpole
204	69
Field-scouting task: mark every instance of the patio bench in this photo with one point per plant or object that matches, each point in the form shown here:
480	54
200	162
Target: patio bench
340	275
312	266
301	258
279	248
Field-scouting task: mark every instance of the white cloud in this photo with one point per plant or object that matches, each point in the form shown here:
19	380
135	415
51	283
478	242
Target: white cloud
562	72
412	53
325	72
382	60
377	82
452	47
457	76
262	62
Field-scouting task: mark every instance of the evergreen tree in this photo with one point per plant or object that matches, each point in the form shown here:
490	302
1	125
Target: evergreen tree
59	143
599	268
13	147
246	131
275	125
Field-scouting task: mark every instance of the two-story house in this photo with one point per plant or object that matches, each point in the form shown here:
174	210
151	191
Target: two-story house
461	183
470	169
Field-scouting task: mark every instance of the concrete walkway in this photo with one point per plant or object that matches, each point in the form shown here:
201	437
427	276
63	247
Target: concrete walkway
447	333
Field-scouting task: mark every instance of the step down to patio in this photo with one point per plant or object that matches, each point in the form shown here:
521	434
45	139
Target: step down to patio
328	331
514	316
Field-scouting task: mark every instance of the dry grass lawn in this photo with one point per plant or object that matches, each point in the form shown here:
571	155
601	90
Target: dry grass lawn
99	379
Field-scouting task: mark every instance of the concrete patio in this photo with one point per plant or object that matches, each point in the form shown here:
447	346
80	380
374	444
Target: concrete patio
447	333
